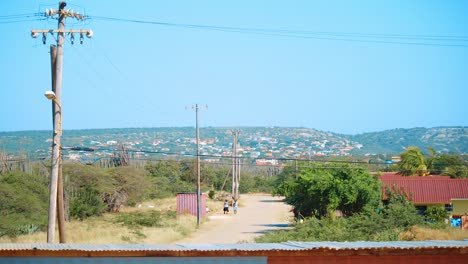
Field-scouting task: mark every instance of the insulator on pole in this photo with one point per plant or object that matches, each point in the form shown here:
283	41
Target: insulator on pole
81	38
72	38
44	38
50	12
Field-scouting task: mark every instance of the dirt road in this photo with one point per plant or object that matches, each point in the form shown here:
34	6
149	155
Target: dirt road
258	213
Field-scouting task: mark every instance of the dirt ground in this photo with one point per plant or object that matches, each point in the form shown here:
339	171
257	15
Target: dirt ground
257	214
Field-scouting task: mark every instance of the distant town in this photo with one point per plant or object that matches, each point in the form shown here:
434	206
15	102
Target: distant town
260	144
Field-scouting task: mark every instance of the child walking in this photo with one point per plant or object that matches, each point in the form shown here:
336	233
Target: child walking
234	206
226	207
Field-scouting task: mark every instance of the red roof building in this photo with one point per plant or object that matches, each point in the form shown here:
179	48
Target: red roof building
427	190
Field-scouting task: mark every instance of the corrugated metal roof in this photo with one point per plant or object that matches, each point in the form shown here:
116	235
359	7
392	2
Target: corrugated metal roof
428	189
291	245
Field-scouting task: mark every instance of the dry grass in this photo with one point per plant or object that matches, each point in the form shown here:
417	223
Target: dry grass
423	233
104	230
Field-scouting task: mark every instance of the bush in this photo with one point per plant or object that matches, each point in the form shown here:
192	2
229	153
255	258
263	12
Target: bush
436	214
211	194
23	203
400	211
87	203
320	189
146	219
385	224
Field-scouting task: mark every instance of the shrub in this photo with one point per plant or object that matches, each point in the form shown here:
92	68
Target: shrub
141	219
23	203
436	214
87	203
211	194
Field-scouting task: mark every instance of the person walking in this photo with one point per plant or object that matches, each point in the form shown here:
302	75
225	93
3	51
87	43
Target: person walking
235	206
226	207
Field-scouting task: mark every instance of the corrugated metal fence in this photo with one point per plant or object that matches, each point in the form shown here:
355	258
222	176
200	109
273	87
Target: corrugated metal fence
187	204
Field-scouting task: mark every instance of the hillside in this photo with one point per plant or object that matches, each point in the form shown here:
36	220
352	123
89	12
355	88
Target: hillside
443	139
255	142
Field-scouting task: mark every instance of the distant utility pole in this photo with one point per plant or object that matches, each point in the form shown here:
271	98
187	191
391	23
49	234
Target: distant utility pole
56	183
235	168
196	107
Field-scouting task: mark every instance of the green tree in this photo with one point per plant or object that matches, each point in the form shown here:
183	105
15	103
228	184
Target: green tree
451	165
400	211
320	190
112	186
412	162
430	158
384	222
167	178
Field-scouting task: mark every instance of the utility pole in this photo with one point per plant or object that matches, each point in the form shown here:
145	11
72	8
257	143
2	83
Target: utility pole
56	183
235	168
196	107
60	203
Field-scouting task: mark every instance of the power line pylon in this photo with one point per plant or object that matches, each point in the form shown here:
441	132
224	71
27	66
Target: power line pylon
56	183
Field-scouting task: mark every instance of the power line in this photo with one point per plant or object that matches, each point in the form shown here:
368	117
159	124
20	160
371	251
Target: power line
23	20
216	156
402	39
19	18
227	163
441	40
21	15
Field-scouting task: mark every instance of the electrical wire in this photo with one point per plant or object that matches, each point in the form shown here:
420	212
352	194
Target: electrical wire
23	20
220	159
20	16
230	157
424	40
403	39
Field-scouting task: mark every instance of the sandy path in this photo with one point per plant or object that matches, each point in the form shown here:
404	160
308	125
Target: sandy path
258	213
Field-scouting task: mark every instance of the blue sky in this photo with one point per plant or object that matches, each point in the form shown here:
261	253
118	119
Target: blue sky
144	75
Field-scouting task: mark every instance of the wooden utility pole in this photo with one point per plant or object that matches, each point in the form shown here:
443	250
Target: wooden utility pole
57	123
197	107
60	204
56	53
235	168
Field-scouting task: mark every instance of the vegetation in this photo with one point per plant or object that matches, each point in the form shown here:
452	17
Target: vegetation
130	225
316	190
435	214
449	164
93	191
23	203
413	162
320	190
384	223
446	139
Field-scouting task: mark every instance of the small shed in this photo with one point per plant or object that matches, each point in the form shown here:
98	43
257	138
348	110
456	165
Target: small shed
187	203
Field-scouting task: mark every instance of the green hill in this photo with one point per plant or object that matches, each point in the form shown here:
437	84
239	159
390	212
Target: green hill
256	142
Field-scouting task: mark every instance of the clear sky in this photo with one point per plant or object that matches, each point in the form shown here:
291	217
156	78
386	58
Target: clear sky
348	80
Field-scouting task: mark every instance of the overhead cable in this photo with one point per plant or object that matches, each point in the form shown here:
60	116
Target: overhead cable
406	39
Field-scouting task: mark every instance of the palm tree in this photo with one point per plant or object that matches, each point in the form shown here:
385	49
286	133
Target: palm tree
412	162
